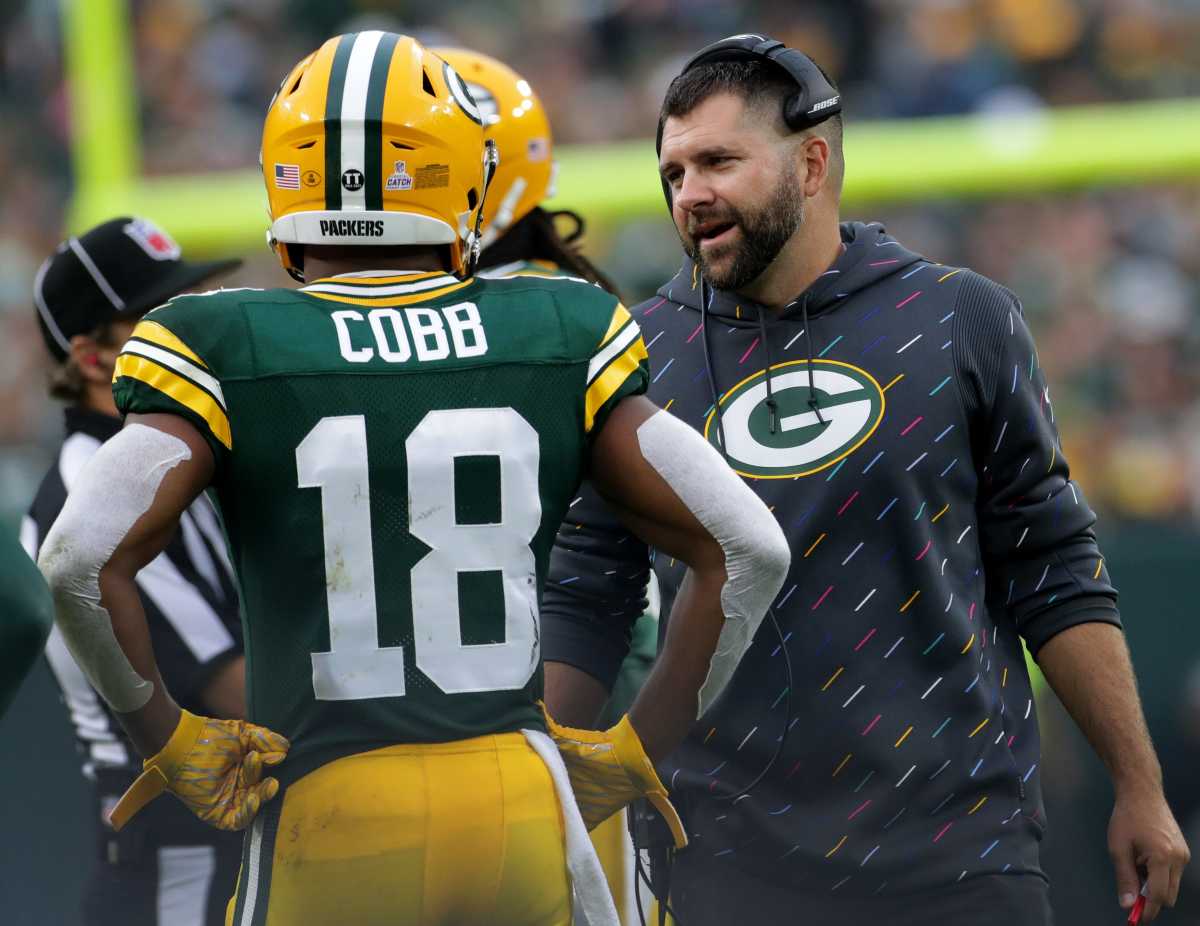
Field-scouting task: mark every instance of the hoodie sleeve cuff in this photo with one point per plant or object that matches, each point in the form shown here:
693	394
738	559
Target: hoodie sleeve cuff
594	653
1093	609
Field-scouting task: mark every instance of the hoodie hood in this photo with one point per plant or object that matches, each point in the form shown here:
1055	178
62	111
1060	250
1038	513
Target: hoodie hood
868	255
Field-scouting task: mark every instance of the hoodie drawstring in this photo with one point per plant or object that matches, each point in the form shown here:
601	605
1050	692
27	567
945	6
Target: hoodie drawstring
772	405
712	377
812	391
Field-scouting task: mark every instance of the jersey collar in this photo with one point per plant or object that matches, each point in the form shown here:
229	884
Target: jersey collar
368	287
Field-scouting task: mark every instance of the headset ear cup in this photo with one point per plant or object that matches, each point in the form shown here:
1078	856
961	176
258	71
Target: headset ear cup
795	111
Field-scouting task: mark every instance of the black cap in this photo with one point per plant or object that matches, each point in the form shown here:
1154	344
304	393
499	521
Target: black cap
122	268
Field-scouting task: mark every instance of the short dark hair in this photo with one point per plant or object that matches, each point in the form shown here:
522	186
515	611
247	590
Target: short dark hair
761	85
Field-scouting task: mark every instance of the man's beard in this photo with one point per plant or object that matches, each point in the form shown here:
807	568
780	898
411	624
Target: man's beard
763	234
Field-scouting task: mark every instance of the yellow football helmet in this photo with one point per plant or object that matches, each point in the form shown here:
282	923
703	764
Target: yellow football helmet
515	119
374	140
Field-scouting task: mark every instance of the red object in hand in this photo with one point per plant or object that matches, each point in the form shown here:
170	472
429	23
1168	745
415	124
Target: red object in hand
1135	912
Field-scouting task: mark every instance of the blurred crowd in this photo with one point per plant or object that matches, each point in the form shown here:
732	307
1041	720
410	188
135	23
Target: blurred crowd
1109	279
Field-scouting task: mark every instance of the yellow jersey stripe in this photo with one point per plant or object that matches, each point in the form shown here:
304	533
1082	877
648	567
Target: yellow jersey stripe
186	393
605	386
155	333
619	318
380	301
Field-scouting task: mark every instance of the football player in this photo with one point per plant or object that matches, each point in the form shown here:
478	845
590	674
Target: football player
519	236
27	616
393	447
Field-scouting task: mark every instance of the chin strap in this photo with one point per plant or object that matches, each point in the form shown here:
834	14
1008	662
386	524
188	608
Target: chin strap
474	242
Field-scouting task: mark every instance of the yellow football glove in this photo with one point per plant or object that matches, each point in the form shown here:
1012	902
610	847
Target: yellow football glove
608	770
214	766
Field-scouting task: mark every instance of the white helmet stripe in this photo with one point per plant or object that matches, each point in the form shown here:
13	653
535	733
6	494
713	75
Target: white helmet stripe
354	112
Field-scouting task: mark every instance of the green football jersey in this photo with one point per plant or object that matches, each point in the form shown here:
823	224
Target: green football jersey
394	454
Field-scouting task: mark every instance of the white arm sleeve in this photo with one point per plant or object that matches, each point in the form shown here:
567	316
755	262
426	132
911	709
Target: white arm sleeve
756	552
116	488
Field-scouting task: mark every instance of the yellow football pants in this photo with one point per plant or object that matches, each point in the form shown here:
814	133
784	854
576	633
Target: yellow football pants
611	840
445	834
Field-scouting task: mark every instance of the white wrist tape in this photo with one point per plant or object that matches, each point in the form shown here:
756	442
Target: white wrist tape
116	488
756	552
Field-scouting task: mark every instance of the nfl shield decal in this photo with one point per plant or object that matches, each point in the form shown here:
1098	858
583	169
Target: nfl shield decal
153	240
850	401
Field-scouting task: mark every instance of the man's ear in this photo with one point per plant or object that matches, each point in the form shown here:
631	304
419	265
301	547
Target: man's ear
92	358
813	164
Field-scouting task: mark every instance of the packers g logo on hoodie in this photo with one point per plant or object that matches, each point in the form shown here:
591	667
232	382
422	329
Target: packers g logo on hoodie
850	401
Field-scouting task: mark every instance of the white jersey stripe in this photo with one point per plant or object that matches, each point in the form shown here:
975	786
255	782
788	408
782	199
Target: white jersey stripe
354	112
366	292
253	864
183	367
376	274
613	349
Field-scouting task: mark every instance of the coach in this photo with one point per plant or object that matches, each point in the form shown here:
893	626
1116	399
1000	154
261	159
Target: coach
167	867
876	757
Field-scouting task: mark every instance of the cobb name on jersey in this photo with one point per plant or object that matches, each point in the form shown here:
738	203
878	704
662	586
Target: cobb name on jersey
393	335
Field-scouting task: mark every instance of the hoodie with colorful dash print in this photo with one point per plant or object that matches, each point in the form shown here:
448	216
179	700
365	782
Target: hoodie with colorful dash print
895	419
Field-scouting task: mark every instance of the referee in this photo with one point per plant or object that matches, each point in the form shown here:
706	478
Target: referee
166	866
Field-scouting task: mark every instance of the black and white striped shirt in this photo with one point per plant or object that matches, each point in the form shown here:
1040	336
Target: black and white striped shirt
187	591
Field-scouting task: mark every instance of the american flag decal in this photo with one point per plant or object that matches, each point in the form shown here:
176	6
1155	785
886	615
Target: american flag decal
287	176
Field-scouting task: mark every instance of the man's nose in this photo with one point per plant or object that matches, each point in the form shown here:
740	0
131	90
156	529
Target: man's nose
693	191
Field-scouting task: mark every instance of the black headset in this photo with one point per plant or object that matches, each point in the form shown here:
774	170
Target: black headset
815	99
